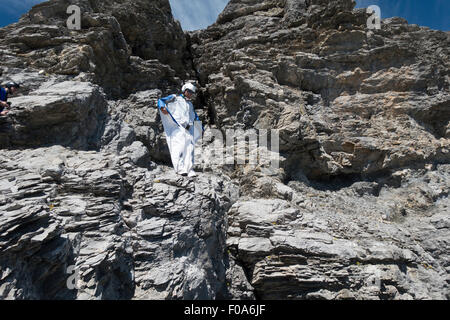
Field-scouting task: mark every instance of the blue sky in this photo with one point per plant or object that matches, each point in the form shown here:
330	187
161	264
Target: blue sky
198	14
430	13
11	10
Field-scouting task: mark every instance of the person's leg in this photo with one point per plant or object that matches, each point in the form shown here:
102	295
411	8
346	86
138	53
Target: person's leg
190	157
172	136
188	154
192	173
177	146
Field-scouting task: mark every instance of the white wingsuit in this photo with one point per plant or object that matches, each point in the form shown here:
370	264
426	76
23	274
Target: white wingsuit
180	141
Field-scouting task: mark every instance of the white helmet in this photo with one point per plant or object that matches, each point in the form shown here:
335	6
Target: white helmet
189	86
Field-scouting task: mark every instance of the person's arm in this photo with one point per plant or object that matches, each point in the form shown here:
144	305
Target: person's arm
163	102
191	114
4	108
3	111
197	119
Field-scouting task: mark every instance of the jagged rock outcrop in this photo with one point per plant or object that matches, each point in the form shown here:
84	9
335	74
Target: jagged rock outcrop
347	100
90	208
363	117
108	223
67	113
127	232
118	46
364	241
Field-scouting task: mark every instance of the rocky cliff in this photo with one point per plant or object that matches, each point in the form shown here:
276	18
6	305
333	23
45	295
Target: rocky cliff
358	209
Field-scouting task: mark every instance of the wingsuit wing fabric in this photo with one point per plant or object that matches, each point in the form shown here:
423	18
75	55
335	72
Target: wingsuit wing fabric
179	140
198	130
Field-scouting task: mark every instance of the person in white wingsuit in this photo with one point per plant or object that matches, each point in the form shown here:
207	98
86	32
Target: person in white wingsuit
182	127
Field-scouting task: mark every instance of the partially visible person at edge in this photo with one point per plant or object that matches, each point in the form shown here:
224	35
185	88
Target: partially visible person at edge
180	125
8	89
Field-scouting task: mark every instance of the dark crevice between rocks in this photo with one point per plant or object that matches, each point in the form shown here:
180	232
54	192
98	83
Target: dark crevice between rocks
435	120
341	181
202	94
55	284
335	183
126	194
318	179
41	271
248	269
114	280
